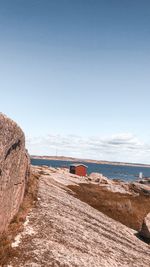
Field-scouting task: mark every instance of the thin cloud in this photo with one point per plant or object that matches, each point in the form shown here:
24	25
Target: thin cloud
122	147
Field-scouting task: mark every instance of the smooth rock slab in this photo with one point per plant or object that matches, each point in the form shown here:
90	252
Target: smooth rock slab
62	231
14	170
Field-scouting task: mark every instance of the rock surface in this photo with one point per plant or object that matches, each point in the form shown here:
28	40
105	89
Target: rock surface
145	231
14	169
64	231
144	181
124	202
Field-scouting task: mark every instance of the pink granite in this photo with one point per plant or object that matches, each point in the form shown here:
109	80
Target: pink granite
14	170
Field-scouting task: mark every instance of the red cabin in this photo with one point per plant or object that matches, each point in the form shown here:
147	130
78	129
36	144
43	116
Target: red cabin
78	169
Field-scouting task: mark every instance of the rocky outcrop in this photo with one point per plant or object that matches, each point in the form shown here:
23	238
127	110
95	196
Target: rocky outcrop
61	230
144	181
125	202
14	170
145	231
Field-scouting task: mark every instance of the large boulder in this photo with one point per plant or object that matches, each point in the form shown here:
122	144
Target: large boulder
14	170
145	230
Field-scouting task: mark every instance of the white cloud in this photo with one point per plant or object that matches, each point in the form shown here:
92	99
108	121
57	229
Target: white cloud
122	147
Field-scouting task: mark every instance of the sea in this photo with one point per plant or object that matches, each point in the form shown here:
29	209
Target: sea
125	173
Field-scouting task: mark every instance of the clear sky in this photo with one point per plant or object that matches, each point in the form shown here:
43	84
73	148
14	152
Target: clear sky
75	75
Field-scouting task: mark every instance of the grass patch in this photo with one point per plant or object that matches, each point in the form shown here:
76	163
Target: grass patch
16	225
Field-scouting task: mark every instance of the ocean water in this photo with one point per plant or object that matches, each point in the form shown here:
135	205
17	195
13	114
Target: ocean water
126	173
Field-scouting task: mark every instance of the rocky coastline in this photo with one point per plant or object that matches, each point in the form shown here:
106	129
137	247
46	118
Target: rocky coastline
50	217
63	230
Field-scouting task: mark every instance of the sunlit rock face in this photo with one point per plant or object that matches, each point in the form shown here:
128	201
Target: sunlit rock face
14	170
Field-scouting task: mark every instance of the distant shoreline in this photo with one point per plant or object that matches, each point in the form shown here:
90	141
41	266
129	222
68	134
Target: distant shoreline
61	158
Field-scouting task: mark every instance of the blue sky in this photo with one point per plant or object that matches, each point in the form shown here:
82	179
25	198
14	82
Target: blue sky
75	75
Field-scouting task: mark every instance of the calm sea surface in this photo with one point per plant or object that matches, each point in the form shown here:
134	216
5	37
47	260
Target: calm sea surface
126	173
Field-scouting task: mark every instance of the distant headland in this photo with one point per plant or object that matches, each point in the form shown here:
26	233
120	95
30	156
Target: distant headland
63	158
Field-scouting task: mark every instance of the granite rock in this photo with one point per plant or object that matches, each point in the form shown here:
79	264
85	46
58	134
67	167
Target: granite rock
14	170
63	231
145	230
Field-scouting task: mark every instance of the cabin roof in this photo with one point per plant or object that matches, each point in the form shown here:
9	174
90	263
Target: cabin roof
78	164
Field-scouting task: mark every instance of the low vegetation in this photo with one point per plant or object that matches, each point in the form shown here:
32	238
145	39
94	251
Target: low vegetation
16	224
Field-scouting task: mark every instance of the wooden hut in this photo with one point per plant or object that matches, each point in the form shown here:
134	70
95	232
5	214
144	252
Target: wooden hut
78	169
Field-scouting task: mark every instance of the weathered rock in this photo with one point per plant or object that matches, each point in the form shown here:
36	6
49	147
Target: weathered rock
144	181
98	177
14	170
140	188
145	231
64	231
122	201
